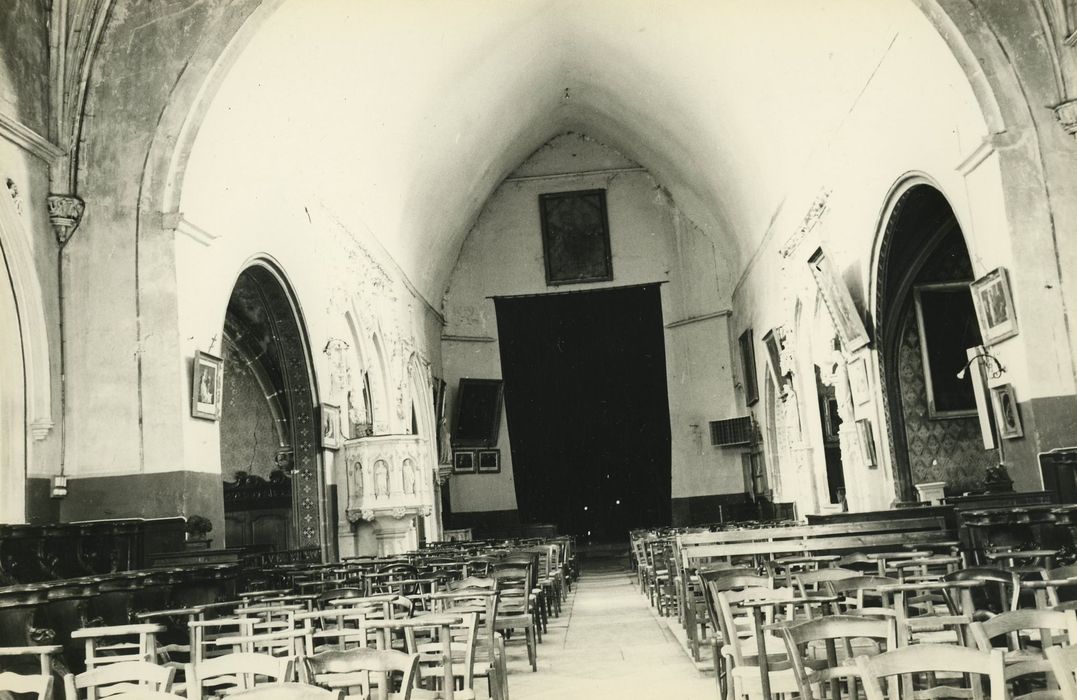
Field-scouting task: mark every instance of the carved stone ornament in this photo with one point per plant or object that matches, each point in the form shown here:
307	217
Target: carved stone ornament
367	513
428	511
811	220
16	198
399	512
1067	117
65	214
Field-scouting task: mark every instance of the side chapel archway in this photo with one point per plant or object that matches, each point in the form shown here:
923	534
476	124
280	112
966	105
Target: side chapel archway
272	466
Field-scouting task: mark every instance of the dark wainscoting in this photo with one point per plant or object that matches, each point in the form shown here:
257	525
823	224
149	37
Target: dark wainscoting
726	507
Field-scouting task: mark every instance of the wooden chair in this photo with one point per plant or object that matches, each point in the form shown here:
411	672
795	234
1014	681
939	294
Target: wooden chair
741	642
490	644
516	611
809	582
230	672
364	669
119	643
1027	633
930	660
1063	661
121	677
861	595
288	691
462	645
38	684
813	666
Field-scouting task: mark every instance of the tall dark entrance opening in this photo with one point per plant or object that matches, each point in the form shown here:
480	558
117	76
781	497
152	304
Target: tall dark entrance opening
587	409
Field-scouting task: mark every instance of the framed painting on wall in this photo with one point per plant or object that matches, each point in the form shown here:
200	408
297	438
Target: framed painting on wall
946	325
838	301
747	366
207	386
329	416
866	435
859	382
1007	417
575	237
489	461
994	306
478	412
463	461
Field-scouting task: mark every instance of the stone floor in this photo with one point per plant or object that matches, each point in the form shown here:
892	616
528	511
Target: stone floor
606	644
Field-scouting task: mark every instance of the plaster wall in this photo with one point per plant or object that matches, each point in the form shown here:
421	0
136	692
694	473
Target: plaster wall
651	241
920	99
29	397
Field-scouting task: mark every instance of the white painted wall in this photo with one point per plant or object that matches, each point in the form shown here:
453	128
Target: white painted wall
651	241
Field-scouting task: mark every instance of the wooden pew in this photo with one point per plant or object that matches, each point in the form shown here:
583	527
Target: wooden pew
695	550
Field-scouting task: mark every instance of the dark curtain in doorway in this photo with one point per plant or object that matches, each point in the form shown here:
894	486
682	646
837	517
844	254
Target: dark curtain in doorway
587	409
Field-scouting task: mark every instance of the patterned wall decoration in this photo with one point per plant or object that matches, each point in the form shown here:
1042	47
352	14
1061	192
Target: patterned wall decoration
291	340
939	450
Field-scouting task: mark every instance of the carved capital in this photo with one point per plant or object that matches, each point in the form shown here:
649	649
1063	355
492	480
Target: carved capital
399	512
65	214
1067	117
367	514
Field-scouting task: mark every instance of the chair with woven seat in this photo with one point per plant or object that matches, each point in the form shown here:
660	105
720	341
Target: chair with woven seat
926	663
1063	661
490	658
1026	635
391	673
842	638
516	610
740	647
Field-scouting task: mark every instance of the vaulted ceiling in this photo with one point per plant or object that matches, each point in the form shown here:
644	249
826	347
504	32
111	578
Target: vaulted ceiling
402	116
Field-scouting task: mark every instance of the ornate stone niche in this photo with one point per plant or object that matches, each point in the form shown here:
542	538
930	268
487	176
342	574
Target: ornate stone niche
389	485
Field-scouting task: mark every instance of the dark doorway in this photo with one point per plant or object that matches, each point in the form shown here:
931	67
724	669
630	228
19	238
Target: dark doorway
587	409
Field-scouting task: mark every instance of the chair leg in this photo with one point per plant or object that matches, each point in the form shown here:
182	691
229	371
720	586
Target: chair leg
532	651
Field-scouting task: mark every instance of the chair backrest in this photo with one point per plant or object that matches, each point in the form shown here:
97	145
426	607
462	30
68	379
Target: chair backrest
1051	627
289	691
730	611
235	672
930	659
855	592
840	638
1063	661
812	580
484	582
345	669
462	645
125	676
717	580
38	684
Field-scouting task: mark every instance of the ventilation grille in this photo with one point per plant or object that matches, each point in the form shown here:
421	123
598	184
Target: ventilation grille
731	432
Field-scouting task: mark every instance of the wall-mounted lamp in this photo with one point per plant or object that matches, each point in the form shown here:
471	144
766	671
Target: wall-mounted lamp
997	372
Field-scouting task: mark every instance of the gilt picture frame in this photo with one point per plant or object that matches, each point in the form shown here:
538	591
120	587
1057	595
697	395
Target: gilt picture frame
207	386
993	299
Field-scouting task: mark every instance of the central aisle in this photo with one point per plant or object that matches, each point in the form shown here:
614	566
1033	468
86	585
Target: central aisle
607	643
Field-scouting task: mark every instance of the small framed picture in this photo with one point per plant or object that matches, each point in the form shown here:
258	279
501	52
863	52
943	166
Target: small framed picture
994	306
207	385
1007	417
859	384
463	462
489	461
330	421
866	435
